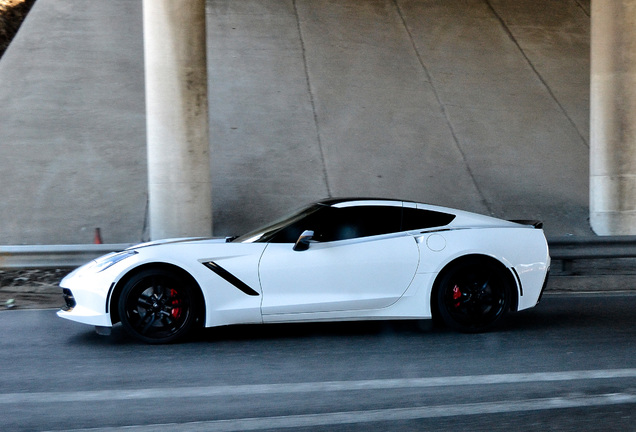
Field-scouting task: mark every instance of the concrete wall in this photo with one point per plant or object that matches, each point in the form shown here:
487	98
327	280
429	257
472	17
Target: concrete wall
72	124
477	104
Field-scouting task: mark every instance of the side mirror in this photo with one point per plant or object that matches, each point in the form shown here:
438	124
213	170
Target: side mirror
302	243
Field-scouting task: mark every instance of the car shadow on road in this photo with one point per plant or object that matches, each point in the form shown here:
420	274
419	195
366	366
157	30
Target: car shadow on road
552	315
265	332
304	330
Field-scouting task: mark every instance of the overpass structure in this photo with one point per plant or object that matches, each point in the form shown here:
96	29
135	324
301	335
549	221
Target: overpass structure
477	104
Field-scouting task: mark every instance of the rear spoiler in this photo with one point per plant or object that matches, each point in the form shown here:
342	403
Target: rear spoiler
535	223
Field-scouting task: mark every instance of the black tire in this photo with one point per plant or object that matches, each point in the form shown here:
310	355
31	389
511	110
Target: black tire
473	296
157	306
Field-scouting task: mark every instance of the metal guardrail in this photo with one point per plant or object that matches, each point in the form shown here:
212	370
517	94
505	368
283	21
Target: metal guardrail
570	249
577	248
53	256
565	249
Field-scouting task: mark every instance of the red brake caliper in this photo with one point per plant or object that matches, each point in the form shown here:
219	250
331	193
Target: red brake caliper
456	295
176	311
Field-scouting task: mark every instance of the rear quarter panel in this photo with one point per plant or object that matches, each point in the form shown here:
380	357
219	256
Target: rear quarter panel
520	248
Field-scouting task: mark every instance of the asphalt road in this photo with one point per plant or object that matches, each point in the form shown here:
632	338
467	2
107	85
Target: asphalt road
567	365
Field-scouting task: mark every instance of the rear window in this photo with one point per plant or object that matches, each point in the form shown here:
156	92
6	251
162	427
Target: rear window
413	219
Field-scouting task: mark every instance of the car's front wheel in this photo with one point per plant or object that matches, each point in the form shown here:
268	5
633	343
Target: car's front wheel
156	306
473	296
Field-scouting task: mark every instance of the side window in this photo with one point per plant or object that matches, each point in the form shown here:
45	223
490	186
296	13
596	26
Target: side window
363	221
332	224
290	233
413	219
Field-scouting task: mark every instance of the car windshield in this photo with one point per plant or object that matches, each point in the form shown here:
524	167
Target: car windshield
265	233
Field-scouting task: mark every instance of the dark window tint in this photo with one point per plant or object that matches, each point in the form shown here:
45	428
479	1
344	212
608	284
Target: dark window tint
353	222
413	219
332	224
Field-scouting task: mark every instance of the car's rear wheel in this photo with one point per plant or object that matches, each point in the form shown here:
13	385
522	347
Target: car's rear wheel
156	306
473	295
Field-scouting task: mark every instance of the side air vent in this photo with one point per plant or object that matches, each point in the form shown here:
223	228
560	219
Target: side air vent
229	277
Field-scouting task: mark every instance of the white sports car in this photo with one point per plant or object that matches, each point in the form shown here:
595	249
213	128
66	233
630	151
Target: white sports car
335	260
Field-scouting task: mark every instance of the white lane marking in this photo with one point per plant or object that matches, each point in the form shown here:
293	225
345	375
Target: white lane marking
583	293
382	415
309	387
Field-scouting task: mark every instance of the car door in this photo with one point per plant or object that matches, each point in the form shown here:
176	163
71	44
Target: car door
358	261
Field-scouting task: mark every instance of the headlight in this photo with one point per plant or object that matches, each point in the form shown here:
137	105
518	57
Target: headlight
106	261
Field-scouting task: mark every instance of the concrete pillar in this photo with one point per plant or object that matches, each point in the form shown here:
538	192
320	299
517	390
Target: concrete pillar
179	187
613	118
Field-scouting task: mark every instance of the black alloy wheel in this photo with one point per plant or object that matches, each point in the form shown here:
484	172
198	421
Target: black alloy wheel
473	296
156	306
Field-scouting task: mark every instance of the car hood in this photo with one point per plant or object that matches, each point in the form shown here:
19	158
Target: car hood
177	240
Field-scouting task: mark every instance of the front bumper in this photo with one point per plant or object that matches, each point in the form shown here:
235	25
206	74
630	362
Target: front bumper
69	300
86	316
85	296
